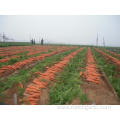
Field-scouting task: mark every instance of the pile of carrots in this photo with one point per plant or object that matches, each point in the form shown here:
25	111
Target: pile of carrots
108	57
31	52
91	74
7	59
33	91
11	51
39	49
11	68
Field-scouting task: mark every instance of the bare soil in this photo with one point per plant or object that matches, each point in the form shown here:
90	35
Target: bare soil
76	101
9	98
99	94
44	97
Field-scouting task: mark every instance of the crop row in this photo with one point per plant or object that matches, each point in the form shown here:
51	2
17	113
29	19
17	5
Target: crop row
109	58
32	92
25	75
113	53
111	70
10	51
11	68
31	53
91	74
67	88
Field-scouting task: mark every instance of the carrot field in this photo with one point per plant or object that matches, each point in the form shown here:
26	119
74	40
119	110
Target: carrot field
59	75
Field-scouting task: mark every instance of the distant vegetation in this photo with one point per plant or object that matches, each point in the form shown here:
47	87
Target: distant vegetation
5	44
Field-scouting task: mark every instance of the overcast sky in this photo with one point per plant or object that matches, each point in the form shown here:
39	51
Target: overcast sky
63	29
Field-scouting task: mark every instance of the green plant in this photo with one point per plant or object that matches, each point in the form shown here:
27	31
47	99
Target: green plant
21	91
13	60
1	57
110	71
67	86
25	75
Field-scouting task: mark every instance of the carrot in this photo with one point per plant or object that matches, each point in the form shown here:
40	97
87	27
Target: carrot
49	74
20	85
91	73
81	73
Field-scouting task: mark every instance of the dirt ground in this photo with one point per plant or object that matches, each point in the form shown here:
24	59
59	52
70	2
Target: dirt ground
99	94
44	98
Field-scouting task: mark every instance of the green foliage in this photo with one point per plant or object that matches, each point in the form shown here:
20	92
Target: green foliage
67	86
13	60
1	86
21	91
111	53
110	70
22	57
6	44
25	75
1	57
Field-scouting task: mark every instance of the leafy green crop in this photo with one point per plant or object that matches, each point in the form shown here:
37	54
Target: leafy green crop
67	86
25	75
110	71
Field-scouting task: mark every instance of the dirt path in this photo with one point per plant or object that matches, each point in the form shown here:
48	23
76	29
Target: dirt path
99	94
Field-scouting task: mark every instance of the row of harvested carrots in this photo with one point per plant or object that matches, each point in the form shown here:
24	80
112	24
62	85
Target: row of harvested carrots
11	68
10	51
91	74
113	53
33	91
31	52
38	50
109	57
8	58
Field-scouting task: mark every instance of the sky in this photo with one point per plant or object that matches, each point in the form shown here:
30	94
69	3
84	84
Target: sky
73	29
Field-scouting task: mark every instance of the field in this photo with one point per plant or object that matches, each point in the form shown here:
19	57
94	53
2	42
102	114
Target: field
59	75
